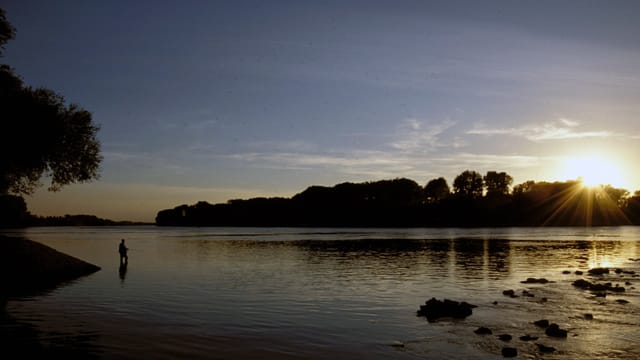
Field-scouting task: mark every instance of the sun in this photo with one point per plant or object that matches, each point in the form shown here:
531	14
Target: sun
592	170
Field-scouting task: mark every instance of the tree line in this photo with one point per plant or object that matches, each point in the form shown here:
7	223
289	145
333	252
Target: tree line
473	200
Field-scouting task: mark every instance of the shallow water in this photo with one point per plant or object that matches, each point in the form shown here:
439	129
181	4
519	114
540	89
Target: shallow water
331	293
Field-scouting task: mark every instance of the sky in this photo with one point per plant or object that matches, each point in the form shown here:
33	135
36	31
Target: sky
219	100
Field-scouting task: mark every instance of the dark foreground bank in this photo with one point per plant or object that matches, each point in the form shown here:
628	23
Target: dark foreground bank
28	267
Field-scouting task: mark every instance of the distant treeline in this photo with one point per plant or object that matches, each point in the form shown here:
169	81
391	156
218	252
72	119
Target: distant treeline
77	220
474	201
14	214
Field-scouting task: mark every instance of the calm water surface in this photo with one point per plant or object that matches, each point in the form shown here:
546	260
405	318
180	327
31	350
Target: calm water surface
332	293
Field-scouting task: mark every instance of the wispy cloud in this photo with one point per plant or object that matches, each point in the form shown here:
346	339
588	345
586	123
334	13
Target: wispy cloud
415	135
561	129
380	164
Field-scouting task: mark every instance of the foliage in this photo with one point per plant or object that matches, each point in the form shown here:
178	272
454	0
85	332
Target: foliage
497	183
7	31
13	211
469	185
42	136
401	203
436	190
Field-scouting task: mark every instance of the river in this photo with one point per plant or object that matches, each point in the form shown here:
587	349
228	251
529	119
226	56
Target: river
303	293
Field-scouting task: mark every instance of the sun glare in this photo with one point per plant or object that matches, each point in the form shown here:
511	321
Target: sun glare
593	171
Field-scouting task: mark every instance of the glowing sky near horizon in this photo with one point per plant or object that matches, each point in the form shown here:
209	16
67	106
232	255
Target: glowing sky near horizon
214	100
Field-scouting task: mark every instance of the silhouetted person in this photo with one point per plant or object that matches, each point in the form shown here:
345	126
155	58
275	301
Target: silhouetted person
122	249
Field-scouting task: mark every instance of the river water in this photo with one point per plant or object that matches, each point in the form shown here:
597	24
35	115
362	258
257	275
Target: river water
291	293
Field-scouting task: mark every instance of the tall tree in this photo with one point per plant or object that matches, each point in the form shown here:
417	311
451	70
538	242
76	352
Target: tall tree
497	183
468	184
436	190
40	135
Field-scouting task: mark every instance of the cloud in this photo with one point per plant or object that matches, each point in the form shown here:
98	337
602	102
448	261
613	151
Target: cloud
561	129
569	122
371	165
415	135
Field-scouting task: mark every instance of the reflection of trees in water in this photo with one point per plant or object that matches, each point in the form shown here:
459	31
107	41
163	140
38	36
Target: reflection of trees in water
466	258
481	258
499	252
469	258
381	257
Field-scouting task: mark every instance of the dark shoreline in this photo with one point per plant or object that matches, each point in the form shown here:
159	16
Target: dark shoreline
31	268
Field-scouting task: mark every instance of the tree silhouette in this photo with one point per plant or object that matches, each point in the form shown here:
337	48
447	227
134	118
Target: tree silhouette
523	188
398	203
497	183
469	184
7	31
40	135
436	190
616	195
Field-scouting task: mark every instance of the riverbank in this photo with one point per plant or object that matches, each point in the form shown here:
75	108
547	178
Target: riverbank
28	267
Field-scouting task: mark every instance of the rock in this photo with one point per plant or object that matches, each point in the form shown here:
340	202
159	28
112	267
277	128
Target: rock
622	301
578	272
545	349
509	352
535	281
587	285
435	309
544	323
629	272
509	293
505	337
618	271
527	293
588	316
554	331
528	338
598	271
582	283
495	303
566	272
627	283
483	331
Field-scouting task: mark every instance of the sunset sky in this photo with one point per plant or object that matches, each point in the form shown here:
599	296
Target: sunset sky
215	100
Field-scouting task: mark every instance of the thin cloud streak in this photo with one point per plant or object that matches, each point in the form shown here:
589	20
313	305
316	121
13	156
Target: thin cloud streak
385	164
561	130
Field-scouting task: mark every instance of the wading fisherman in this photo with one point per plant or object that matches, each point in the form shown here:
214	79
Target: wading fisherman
122	249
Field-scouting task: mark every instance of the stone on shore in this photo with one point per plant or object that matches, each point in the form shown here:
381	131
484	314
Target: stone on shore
28	267
598	271
509	352
554	331
544	323
587	285
535	281
483	331
435	309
